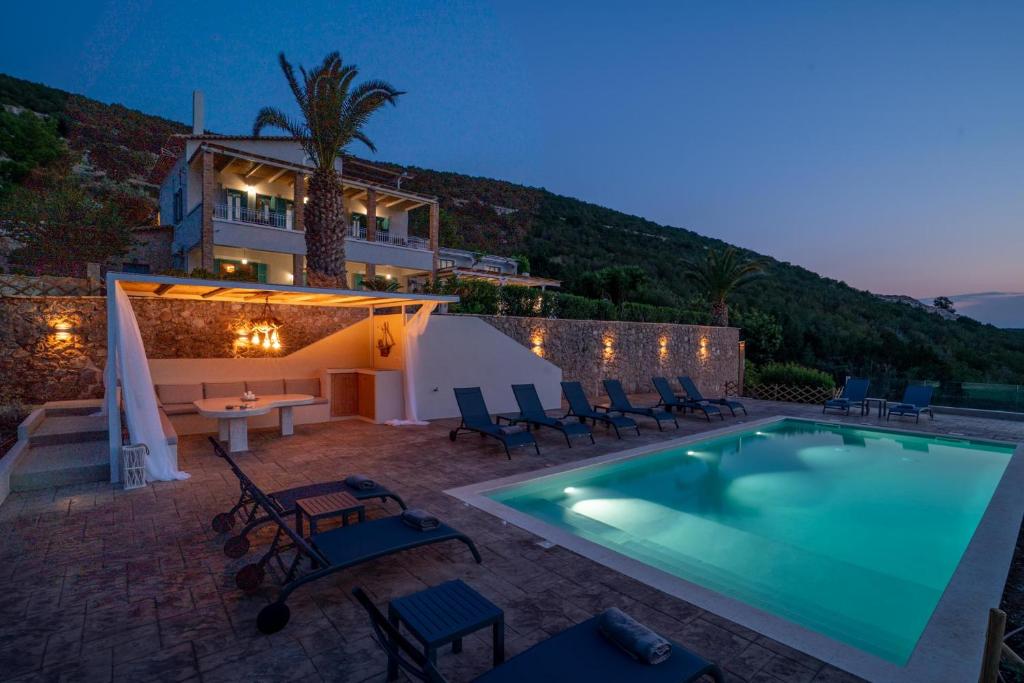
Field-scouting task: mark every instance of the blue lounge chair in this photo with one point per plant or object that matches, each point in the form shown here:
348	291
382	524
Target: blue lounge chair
581	408
670	400
531	411
579	653
916	400
249	512
476	418
854	393
693	393
329	552
620	403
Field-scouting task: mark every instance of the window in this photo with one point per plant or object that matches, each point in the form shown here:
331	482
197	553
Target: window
492	269
383	224
179	206
445	263
255	272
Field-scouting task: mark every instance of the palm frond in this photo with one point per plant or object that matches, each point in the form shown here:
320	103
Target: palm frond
275	118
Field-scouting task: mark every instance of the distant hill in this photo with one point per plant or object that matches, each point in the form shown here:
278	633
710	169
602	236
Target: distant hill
1002	309
826	323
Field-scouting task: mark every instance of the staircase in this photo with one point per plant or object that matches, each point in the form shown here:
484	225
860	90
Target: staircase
66	444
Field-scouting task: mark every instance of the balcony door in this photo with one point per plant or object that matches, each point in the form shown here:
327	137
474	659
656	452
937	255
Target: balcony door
237	202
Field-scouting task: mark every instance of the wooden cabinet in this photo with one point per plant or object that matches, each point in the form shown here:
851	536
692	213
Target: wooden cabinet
344	394
366	390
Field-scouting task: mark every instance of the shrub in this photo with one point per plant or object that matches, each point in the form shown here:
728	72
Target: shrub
519	300
789	374
572	307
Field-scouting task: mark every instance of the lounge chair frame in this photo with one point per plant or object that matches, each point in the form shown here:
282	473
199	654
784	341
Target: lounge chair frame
620	403
247	510
693	394
858	390
476	418
294	574
670	400
532	413
917	399
582	409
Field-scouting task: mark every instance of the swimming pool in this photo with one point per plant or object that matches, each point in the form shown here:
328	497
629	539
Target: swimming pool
849	532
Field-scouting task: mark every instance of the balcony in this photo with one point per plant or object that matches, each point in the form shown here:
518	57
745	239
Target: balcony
358	232
262	217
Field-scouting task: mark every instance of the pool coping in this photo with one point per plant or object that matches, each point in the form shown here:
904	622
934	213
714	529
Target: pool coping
951	645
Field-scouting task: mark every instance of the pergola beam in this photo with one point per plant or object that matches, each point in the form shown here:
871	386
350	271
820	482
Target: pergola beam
160	290
214	292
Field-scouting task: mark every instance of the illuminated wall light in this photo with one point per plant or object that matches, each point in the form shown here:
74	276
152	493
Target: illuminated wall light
537	342
663	348
609	348
703	352
64	330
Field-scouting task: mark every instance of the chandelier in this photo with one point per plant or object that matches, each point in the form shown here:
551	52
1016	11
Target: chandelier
263	330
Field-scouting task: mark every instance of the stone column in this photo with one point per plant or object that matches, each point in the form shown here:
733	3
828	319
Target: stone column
299	203
435	223
371	227
209	200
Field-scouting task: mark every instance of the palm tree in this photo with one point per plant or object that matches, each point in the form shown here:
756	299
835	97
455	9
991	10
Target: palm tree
333	115
721	272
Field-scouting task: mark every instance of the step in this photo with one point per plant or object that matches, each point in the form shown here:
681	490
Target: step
68	429
62	464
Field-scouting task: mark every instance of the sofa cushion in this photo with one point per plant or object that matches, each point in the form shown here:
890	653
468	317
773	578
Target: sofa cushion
223	389
179	393
179	408
266	387
309	386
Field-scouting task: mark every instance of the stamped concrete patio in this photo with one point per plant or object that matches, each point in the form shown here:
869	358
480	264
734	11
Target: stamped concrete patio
101	584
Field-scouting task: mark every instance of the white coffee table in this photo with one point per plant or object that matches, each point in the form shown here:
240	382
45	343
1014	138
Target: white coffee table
233	423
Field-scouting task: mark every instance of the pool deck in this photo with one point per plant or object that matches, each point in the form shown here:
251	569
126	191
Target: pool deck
102	584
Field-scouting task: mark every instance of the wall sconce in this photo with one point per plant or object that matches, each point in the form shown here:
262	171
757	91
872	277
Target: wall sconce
703	352
538	344
663	347
609	348
63	330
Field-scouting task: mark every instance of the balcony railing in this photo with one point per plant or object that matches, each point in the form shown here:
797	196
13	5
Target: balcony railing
385	237
265	217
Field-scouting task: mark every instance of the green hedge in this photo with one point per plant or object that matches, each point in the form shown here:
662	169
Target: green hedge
789	374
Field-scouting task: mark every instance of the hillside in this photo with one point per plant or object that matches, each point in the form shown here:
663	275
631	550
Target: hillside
825	323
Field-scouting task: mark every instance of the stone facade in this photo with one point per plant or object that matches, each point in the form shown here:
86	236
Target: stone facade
589	351
55	348
151	248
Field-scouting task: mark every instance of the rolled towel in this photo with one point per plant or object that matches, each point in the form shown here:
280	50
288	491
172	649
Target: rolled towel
420	519
360	482
613	413
512	429
634	638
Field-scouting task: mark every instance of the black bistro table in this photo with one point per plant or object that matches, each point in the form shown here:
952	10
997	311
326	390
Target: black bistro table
882	403
445	614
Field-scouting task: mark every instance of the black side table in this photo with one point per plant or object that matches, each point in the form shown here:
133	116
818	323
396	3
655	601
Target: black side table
445	614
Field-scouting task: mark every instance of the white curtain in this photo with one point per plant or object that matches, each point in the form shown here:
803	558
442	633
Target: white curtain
140	408
414	329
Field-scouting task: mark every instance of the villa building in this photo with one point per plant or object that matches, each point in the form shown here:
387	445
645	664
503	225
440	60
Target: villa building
236	205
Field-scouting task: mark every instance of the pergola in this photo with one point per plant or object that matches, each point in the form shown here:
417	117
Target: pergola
163	287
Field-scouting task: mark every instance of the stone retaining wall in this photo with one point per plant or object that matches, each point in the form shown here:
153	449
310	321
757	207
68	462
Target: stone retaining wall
54	348
589	351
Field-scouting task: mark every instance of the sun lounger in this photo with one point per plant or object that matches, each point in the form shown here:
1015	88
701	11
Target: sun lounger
854	393
581	408
579	653
693	393
476	418
670	400
249	512
329	552
620	403
916	400
531	411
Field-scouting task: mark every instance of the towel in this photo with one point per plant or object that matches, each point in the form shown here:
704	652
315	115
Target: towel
420	519
360	482
613	413
512	429
637	640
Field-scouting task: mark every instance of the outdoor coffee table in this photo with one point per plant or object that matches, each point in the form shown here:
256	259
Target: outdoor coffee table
232	415
337	504
445	614
882	403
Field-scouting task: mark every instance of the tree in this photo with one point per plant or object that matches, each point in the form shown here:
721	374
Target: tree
379	283
59	229
720	273
621	281
26	141
763	334
334	112
945	303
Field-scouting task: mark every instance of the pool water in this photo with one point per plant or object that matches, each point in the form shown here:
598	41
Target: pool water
853	533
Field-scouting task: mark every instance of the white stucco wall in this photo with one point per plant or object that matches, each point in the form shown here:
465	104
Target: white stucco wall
466	352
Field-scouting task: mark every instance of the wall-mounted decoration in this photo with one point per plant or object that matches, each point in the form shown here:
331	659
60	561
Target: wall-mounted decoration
385	342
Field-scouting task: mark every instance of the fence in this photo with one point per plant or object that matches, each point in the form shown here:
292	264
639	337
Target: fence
49	285
788	393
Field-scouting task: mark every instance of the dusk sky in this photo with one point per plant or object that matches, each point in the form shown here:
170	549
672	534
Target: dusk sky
880	143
